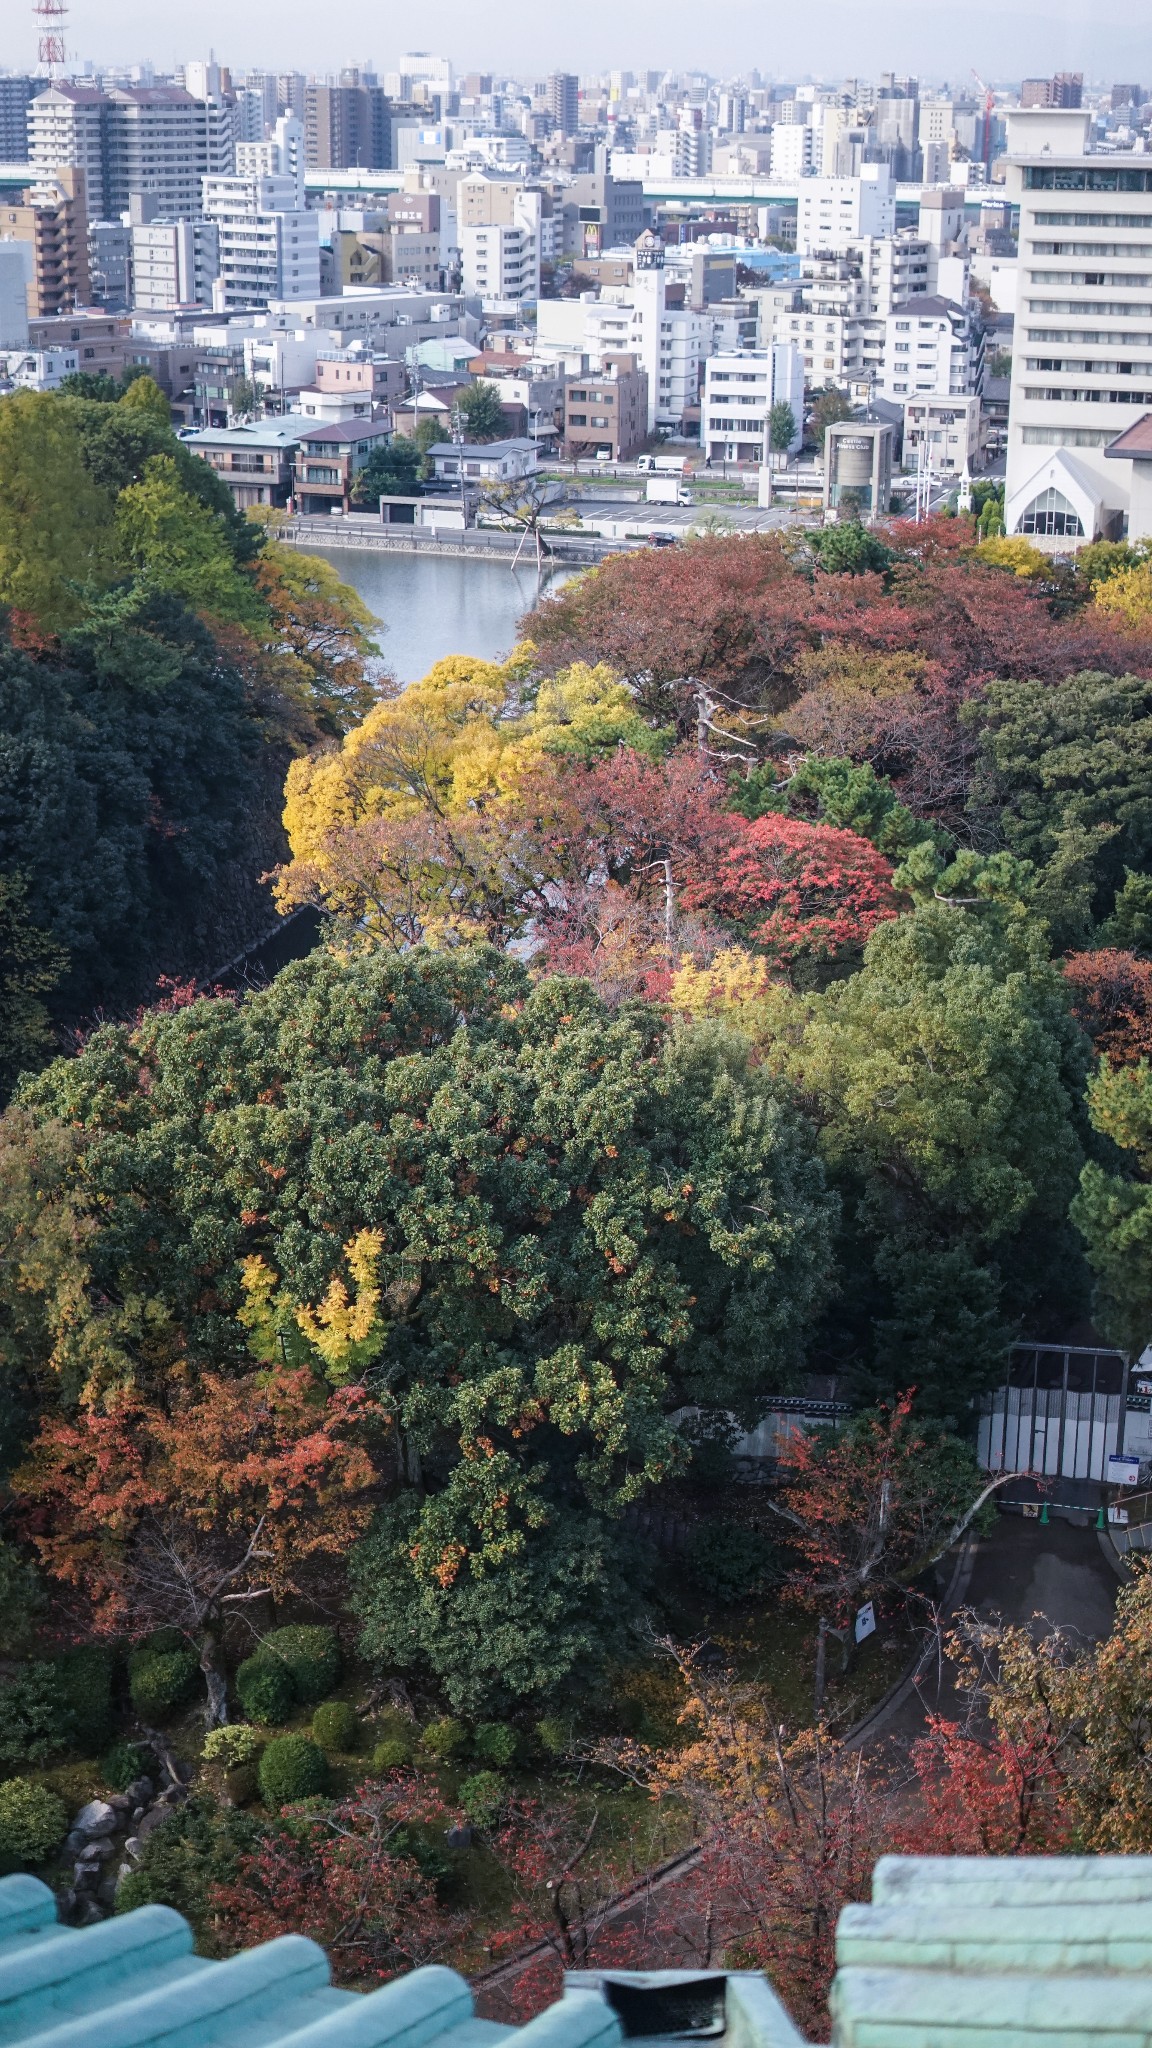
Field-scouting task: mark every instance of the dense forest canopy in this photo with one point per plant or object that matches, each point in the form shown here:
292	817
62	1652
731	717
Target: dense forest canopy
749	976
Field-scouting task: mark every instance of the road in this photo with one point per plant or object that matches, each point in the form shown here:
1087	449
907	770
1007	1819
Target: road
1022	1570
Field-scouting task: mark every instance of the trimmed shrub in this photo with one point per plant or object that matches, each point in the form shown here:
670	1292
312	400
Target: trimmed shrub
161	1680
482	1797
391	1754
496	1743
292	1768
729	1562
444	1739
311	1657
336	1725
125	1761
264	1689
33	1823
233	1746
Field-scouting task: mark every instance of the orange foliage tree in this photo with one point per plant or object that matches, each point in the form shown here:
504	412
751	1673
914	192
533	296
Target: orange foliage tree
1111	994
175	1518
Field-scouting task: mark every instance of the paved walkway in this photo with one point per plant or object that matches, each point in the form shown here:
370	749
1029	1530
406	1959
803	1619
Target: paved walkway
1023	1569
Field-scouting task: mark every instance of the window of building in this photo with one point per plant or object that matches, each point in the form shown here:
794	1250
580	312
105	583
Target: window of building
1051	513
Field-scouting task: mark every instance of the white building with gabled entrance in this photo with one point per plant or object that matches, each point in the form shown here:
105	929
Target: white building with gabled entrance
1082	355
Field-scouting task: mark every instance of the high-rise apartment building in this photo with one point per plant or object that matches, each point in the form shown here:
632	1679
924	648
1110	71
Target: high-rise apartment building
1066	89
51	217
268	247
1082	355
16	95
347	126
159	139
280	156
501	257
564	101
832	213
174	263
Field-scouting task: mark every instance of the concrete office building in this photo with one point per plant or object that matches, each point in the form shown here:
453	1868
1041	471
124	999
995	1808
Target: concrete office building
606	411
1082	359
599	212
833	213
949	431
739	394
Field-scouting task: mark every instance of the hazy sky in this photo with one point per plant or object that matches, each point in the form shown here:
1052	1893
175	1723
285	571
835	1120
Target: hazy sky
829	39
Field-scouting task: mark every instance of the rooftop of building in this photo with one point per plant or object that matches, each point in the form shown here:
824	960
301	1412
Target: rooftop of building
1135	443
283	432
951	1952
347	430
517	444
926	304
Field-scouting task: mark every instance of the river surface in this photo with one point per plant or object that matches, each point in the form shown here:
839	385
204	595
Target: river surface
430	606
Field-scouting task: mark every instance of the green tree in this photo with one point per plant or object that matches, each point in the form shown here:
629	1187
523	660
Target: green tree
1113	1209
849	549
55	538
175	544
390	472
31	964
828	406
531	1227
481	412
1064	779
944	1076
95	385
781	427
138	798
142	394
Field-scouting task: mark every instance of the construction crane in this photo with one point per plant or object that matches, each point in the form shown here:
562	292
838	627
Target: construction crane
989	106
50	18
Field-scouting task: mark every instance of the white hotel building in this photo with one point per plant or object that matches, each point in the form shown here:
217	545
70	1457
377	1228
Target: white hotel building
1082	354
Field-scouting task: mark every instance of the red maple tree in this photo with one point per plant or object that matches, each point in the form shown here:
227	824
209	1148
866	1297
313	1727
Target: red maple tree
348	1877
797	889
174	1518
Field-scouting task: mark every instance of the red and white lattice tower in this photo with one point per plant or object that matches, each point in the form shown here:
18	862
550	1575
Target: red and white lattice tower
50	18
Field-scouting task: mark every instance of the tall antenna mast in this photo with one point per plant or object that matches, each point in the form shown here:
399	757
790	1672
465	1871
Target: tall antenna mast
50	18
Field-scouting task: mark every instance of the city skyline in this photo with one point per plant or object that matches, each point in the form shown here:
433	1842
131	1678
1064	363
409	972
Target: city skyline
1003	44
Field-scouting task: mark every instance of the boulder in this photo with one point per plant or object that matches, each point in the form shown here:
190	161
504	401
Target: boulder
73	1844
459	1837
88	1912
153	1819
121	1802
97	1852
97	1818
132	1847
139	1792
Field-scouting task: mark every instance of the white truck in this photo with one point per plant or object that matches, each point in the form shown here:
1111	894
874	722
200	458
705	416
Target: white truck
667	490
662	465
